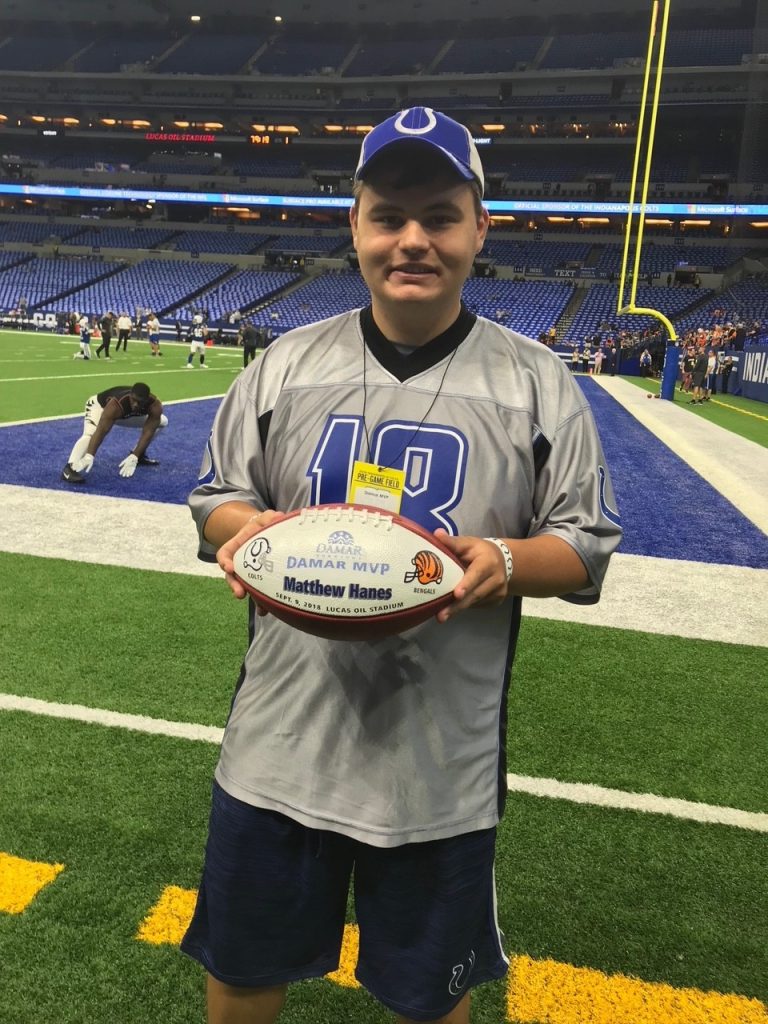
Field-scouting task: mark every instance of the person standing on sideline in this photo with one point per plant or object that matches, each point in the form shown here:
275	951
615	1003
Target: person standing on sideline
153	334
121	406
726	370
598	365
197	335
699	375
710	381
384	763
575	358
123	331
250	337
107	325
84	326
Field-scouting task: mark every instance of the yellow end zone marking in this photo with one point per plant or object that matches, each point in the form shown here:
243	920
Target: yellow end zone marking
169	918
538	991
735	408
21	880
350	946
547	992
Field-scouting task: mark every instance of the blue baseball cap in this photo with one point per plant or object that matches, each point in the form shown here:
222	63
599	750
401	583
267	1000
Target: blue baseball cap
429	128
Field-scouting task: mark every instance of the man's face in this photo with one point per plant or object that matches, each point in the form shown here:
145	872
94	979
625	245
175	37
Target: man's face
416	245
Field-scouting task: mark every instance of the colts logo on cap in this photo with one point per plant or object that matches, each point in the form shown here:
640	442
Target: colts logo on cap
424	130
429	569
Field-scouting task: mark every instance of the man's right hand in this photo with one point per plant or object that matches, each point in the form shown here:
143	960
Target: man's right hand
224	556
84	464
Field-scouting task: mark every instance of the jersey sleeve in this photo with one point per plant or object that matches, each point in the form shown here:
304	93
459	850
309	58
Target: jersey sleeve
233	462
574	499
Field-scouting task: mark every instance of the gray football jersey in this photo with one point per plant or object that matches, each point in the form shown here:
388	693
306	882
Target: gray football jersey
401	740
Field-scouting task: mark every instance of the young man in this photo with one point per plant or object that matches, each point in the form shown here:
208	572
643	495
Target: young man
385	762
121	406
197	335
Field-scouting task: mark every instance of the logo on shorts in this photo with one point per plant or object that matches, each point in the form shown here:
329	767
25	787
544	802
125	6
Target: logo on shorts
429	569
256	555
461	973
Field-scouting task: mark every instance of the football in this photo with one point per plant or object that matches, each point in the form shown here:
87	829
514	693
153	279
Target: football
348	572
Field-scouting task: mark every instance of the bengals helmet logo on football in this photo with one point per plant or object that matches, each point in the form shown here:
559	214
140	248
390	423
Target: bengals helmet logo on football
429	569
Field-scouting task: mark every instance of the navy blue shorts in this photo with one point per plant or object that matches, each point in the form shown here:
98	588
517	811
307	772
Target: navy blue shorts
272	906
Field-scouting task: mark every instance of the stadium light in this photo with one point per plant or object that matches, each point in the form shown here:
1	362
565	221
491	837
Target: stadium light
194	17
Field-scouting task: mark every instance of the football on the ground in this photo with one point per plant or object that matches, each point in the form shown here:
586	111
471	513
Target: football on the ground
348	572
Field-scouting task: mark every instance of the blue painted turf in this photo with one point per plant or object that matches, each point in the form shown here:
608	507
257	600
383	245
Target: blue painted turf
667	509
33	455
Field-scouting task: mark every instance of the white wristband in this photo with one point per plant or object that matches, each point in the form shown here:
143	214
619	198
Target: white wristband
509	563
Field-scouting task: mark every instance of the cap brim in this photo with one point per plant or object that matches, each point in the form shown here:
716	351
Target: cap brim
459	170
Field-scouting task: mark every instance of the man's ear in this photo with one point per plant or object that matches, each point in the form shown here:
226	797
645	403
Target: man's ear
353	223
482	229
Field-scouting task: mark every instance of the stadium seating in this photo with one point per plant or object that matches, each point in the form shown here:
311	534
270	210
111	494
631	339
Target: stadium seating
152	284
479	56
210	54
124	238
382	57
25	231
218	241
41	279
528	307
600	302
321	297
746	300
309	245
292	54
241	292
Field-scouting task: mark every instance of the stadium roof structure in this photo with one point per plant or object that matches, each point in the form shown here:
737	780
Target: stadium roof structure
319	11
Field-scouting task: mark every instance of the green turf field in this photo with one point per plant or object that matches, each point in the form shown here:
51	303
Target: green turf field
37	372
603	908
742	416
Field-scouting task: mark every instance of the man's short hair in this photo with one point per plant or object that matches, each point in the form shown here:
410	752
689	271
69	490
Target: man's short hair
141	391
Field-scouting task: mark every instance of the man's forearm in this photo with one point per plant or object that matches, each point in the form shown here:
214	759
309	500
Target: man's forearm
225	521
545	566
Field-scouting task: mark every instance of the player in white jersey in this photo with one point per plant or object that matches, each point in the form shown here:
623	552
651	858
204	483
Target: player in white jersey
196	335
385	761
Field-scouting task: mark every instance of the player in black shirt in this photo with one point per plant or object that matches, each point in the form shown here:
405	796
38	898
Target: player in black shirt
126	406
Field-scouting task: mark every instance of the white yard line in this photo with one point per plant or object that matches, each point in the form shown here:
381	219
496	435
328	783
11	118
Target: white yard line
650	595
734	466
581	793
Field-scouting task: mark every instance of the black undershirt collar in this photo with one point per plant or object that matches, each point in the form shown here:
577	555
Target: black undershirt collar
424	356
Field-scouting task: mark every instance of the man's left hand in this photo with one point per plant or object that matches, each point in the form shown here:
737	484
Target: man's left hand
128	465
485	577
